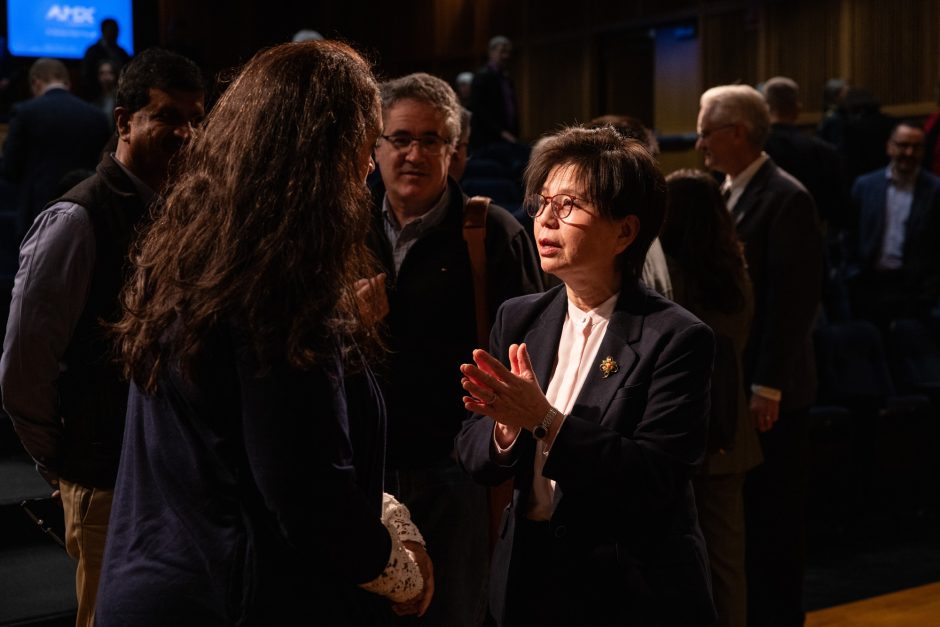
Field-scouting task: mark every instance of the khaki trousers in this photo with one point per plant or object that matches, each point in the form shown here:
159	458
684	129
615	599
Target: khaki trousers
86	524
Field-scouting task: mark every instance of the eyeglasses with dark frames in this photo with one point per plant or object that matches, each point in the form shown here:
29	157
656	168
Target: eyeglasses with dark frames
427	143
562	205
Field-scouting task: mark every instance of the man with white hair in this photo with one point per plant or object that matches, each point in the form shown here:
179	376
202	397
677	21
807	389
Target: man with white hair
777	222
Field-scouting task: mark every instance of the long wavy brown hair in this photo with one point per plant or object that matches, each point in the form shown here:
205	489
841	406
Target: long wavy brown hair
264	229
700	236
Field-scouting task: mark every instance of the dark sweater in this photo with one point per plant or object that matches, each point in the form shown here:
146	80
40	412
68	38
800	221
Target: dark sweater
431	324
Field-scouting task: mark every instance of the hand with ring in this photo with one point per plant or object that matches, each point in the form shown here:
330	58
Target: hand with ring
521	402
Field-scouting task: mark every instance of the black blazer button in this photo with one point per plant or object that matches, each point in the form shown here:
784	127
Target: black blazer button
561	531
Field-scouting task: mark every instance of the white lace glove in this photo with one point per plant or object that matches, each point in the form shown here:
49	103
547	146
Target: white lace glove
396	516
401	580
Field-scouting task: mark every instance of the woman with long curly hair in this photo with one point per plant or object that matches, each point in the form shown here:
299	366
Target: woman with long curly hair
709	278
250	484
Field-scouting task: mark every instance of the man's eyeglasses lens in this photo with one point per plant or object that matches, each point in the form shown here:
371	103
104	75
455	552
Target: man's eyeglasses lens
427	143
562	204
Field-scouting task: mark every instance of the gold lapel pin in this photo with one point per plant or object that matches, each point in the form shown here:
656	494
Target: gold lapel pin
609	366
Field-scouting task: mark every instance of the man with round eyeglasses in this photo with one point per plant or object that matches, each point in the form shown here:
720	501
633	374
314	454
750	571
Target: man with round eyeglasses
431	326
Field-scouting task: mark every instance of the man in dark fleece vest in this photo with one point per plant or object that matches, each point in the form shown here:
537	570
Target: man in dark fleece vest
60	385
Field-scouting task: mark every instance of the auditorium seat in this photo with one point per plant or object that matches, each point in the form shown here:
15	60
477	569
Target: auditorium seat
479	167
891	466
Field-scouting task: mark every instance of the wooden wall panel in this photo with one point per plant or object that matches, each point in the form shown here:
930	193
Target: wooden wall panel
557	19
607	11
729	48
566	67
802	43
556	89
894	49
624	68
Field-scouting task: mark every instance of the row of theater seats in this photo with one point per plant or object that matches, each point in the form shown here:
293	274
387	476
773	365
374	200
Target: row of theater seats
487	177
875	430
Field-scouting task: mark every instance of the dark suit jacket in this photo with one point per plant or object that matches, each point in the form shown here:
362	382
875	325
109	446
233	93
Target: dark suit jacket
776	221
488	105
50	136
431	325
921	267
814	163
627	545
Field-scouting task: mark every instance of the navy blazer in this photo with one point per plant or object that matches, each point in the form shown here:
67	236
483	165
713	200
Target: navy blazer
488	104
776	220
49	137
626	538
921	259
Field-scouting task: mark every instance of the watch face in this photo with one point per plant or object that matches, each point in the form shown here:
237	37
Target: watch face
539	432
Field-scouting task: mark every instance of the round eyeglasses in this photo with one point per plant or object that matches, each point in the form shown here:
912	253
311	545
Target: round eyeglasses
562	205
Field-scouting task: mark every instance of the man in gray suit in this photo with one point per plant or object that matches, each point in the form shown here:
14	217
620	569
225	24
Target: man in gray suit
777	222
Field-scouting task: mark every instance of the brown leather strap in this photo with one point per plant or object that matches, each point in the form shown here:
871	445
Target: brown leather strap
474	233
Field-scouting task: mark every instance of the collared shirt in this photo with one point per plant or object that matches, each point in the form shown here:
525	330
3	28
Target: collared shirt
57	260
54	85
897	211
147	195
403	237
581	337
736	185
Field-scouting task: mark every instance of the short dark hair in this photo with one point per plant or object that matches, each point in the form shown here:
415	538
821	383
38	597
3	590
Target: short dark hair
620	178
155	68
782	95
48	70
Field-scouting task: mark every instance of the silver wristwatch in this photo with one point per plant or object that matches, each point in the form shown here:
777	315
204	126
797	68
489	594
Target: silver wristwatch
539	431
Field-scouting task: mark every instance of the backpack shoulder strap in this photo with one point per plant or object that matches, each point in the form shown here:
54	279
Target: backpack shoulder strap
474	233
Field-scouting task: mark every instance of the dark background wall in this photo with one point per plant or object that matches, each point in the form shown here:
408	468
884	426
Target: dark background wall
576	60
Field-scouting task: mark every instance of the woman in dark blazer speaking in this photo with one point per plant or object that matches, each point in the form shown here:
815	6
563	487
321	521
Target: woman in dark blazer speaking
594	400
